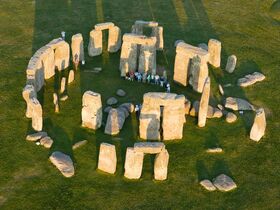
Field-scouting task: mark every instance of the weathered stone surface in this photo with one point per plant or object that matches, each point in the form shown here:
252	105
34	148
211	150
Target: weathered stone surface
36	136
237	104
114	39
63	84
147	58
221	90
250	79
104	26
231	63
177	42
107	109
198	74
64	97
62	55
63	163
213	112
124	110
231	117
112	101
207	184
133	163
77	46
71	76
36	115
203	46
79	144
55	102
107	160
203	105
121	92
128	59
161	165
188	105
115	121
95	43
46	142
149	147
28	93
259	126
92	110
158	33
194	109
214	150
224	183
214	49
128	106
220	106
173	116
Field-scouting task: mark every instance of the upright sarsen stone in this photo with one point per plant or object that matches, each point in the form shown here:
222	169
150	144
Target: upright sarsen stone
161	165
92	110
95	43
259	126
114	39
37	114
133	163
107	160
28	93
214	49
203	104
77	46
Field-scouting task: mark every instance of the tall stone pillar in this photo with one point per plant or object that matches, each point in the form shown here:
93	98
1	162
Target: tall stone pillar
214	49
128	59
181	67
37	114
158	33
77	46
95	43
203	105
147	58
114	40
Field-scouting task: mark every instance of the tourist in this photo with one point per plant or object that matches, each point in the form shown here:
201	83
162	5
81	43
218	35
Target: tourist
149	78
168	88
157	79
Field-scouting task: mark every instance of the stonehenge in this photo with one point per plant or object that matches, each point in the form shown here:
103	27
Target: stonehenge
191	66
169	106
137	48
135	156
107	160
259	125
157	31
95	39
92	110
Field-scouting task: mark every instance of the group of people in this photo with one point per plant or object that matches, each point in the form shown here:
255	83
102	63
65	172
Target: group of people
148	78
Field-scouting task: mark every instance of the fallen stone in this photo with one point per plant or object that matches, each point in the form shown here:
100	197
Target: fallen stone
250	79
231	63
112	101
55	102
115	121
207	184
121	92
79	144
224	183
214	49
63	163
107	160
124	110
46	142
214	112
161	165
107	109
63	98
149	147
237	104
231	117
203	46
221	90
259	126
214	150
228	85
133	163
128	106
36	136
220	106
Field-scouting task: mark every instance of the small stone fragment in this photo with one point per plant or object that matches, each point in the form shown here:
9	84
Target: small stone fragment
121	92
214	150
221	90
79	144
231	117
64	98
224	183
55	102
112	101
46	142
207	184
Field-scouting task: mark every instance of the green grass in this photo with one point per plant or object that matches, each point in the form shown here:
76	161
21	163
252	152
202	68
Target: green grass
29	181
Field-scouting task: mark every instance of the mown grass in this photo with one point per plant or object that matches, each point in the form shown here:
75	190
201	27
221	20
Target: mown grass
30	181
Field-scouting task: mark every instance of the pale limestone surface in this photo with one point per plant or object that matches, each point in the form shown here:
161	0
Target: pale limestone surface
214	49
79	144
63	163
114	39
133	163
161	165
92	110
107	160
259	125
115	121
231	117
203	105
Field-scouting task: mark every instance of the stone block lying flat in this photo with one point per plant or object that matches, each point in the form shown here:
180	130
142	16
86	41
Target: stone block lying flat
63	163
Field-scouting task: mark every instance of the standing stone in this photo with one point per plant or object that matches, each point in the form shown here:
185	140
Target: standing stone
221	90
203	105
62	56
63	163
214	49
161	165
259	126
77	46
128	60
28	93
114	39
231	63
71	76
55	102
115	121
133	163
147	58
37	114
158	33
95	43
63	84
92	110
107	160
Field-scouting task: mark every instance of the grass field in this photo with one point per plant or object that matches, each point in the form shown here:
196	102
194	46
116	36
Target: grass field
29	181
